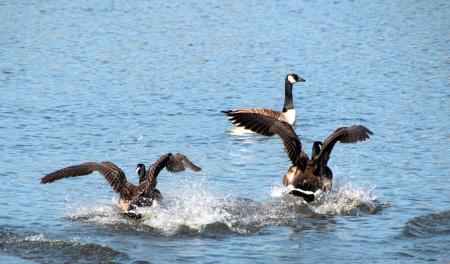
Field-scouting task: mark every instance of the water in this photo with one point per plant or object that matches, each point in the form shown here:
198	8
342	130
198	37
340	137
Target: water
130	81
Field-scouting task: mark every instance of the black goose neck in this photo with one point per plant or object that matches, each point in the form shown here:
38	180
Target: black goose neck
288	102
142	173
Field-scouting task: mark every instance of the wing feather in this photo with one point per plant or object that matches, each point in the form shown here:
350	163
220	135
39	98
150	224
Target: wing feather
71	171
173	163
344	135
262	111
153	171
116	178
112	173
180	162
269	126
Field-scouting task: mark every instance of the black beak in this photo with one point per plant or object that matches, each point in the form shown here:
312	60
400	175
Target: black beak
300	79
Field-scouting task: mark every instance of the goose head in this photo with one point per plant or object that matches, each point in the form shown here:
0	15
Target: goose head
140	171
293	78
316	148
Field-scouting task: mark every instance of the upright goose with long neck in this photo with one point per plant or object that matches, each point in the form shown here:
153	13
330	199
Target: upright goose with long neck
288	113
306	175
131	196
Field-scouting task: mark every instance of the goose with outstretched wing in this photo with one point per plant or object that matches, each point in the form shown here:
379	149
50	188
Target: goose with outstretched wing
131	196
306	174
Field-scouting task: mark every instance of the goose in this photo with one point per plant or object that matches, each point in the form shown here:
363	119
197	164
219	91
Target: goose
305	175
288	114
131	196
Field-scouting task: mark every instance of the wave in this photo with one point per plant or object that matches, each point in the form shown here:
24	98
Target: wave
430	225
38	248
427	237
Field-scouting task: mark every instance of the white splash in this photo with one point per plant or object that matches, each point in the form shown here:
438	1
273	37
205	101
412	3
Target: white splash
104	212
278	191
193	209
196	209
346	200
38	237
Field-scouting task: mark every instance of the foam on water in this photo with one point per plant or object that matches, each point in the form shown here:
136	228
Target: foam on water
199	211
102	211
194	210
347	200
38	237
278	191
41	238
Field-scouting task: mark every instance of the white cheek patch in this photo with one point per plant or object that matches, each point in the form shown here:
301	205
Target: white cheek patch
291	79
138	169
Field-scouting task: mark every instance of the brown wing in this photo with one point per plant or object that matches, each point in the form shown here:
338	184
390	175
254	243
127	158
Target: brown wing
351	134
269	126
71	171
152	173
116	178
180	162
173	163
262	111
113	174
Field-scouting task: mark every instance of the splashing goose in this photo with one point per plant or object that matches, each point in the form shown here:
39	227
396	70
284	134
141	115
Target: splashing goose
131	196
306	175
288	114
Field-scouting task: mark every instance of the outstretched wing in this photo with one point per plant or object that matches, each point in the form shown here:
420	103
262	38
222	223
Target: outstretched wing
173	163
112	173
180	162
116	178
351	134
269	126
262	111
153	171
71	171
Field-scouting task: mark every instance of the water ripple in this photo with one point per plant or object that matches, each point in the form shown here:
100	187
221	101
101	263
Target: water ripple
435	224
40	249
